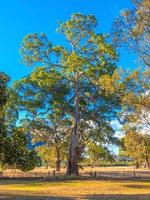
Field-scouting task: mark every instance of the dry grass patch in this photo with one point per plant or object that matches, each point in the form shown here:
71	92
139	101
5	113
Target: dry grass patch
94	189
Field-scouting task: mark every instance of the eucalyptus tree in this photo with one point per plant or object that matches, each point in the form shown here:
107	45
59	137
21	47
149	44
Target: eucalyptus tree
80	64
54	133
49	155
97	153
137	146
134	91
133	88
46	111
136	101
131	30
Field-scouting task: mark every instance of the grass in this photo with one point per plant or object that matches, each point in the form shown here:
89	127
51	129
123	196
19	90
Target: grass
12	189
77	189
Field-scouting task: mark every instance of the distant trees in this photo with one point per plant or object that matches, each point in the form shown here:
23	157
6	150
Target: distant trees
97	153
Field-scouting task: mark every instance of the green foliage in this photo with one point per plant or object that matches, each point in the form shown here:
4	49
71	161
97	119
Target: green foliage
13	142
136	101
131	30
29	161
137	146
4	140
35	48
49	154
73	94
97	153
17	153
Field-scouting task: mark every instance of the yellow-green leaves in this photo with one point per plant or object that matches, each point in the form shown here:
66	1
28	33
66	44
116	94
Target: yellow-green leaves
110	84
131	31
35	49
74	62
44	77
137	146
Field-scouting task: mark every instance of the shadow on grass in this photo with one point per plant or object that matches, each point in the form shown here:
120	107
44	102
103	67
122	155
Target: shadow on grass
117	197
134	186
22	197
88	197
22	181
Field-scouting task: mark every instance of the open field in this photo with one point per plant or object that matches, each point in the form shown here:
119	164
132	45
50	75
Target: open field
73	190
41	172
87	188
87	169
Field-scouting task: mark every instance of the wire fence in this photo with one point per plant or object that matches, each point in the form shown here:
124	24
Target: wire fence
96	174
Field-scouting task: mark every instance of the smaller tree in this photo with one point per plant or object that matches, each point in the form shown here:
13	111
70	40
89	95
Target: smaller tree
46	155
137	146
49	155
20	156
133	91
97	152
44	101
54	137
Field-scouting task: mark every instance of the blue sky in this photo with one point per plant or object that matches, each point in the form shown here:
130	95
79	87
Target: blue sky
21	17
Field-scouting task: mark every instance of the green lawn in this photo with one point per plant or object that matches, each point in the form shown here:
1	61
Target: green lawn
90	189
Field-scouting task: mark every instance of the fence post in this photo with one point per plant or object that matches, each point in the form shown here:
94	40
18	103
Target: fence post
91	173
95	174
49	174
1	174
134	173
53	172
124	173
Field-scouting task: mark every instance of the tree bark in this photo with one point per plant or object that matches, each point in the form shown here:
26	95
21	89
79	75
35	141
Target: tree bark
58	161
72	166
137	164
46	164
147	162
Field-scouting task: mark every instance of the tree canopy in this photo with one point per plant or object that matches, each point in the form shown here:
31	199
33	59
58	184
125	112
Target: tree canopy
131	30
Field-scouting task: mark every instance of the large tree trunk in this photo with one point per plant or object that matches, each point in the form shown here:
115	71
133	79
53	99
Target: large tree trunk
58	161
72	166
147	162
136	164
46	164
